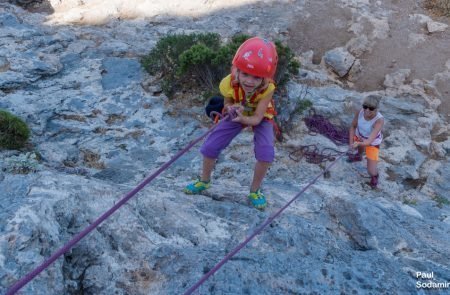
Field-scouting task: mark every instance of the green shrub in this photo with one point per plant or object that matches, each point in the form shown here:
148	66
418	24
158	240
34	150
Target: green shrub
441	201
14	133
441	7
185	60
23	163
303	105
287	65
164	59
197	61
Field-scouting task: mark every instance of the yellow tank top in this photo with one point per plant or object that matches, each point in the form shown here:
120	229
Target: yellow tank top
227	89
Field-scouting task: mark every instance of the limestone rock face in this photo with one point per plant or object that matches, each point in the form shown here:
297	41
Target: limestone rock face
100	125
340	60
24	2
434	27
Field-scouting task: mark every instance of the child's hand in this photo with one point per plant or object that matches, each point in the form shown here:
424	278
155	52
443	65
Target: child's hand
355	144
239	118
226	108
232	110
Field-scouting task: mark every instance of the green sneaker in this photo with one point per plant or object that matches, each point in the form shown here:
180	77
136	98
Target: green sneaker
197	187
258	199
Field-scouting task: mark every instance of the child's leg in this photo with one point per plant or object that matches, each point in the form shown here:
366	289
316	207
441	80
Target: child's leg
372	167
264	152
259	174
220	138
372	160
208	166
211	148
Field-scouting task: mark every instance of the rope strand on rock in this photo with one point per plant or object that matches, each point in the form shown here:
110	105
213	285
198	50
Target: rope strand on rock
313	154
259	229
318	124
31	275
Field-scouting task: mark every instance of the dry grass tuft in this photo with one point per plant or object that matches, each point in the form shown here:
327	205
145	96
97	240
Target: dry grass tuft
439	7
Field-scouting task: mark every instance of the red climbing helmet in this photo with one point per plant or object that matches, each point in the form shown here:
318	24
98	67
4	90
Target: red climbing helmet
257	57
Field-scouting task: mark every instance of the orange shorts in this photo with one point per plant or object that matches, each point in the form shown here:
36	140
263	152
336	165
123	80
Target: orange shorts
372	151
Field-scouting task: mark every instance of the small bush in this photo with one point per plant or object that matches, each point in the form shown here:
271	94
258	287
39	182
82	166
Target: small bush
441	201
287	65
23	163
441	7
185	60
14	133
198	61
164	59
303	105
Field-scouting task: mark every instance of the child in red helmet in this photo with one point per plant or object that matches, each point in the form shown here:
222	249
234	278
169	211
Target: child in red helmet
365	135
247	93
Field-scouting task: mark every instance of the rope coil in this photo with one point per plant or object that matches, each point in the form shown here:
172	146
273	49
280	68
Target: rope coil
313	154
318	124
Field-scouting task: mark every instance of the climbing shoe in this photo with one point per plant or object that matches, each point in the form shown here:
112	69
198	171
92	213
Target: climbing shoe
374	181
354	158
258	199
196	187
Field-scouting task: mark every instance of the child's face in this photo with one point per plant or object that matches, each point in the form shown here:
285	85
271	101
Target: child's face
249	82
369	109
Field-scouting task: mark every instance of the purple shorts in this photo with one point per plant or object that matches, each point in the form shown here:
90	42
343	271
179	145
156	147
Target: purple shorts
224	133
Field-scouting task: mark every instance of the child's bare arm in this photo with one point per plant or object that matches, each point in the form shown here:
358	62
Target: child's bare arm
227	102
353	128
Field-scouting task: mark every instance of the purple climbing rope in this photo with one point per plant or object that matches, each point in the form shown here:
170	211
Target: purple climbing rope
313	154
26	279
319	124
316	124
258	230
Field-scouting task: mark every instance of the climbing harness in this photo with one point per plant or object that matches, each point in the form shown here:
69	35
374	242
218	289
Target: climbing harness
250	105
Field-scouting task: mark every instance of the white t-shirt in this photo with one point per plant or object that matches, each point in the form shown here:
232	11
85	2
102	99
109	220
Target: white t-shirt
365	127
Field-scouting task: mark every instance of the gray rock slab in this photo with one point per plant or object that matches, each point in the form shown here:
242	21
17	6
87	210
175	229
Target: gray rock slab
120	72
116	175
340	60
12	80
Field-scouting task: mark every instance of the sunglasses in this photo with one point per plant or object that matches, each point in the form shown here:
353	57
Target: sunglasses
367	107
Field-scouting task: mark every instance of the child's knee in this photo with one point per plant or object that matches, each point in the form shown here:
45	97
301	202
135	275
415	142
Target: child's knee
210	152
265	153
